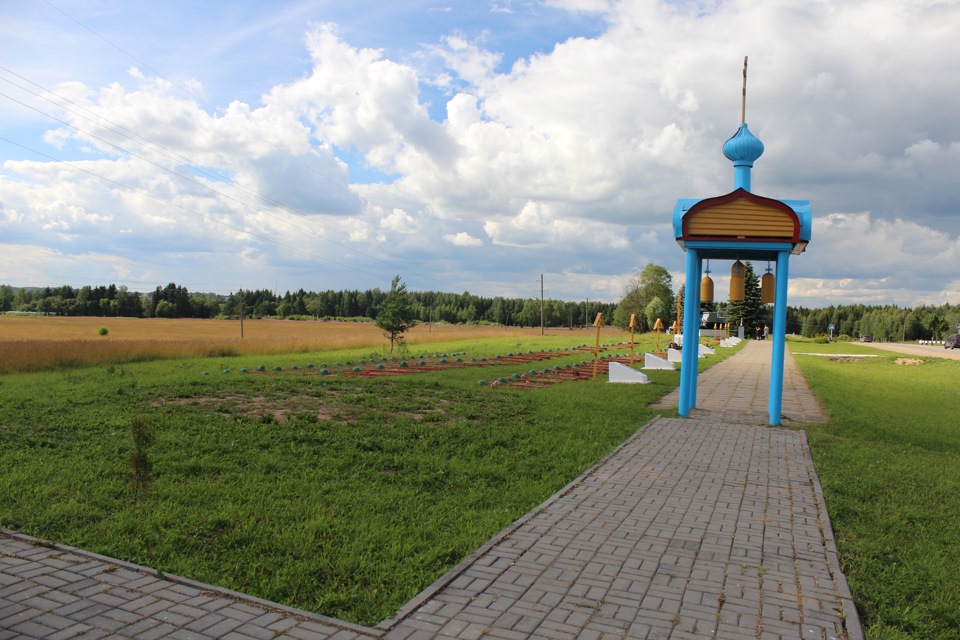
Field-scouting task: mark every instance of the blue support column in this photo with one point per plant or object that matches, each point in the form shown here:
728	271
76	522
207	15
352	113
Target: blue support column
691	336
779	337
695	376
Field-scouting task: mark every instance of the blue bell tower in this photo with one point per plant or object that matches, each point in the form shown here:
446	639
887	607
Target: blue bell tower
738	226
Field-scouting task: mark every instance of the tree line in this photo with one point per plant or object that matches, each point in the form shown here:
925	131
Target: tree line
649	296
174	301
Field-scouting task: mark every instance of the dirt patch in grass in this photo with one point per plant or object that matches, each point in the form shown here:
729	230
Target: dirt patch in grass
847	360
908	361
281	408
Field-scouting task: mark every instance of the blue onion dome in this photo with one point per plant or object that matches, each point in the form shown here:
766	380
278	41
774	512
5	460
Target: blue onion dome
743	148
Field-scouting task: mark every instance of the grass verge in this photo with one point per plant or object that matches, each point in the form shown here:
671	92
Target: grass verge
338	494
889	463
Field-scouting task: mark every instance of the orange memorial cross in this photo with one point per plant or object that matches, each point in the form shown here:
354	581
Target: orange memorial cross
659	327
598	323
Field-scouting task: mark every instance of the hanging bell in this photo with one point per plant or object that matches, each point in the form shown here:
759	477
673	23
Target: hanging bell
737	282
768	288
706	289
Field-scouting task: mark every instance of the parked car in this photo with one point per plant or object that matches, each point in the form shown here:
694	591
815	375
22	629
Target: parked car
866	338
953	342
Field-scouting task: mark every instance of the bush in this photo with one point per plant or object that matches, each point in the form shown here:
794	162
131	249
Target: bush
140	464
102	331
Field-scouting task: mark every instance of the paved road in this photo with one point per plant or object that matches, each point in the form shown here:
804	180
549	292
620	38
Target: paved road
708	527
927	350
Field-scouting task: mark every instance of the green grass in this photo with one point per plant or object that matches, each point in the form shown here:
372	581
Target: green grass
889	462
339	494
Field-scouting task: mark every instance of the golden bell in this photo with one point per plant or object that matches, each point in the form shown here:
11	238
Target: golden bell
737	282
768	288
706	289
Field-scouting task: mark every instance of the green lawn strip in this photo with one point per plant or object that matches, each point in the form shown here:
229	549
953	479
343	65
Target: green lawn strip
366	492
889	463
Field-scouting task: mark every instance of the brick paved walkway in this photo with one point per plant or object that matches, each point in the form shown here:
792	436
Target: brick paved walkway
694	528
738	390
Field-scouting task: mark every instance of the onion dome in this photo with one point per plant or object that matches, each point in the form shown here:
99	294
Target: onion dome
743	148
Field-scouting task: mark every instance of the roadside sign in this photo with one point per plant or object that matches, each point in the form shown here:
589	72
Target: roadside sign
832	327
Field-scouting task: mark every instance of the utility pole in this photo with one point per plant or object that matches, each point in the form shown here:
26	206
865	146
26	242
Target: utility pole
242	305
541	304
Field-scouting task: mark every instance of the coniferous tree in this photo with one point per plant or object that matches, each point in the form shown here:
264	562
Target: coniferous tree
751	310
396	314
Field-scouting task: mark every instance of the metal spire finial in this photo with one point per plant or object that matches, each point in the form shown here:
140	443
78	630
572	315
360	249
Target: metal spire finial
743	101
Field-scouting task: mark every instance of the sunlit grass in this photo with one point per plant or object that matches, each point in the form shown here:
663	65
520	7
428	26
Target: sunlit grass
889	462
339	494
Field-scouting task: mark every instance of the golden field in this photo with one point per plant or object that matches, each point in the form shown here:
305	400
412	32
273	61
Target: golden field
37	343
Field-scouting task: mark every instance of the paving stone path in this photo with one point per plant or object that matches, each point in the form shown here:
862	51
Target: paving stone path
708	527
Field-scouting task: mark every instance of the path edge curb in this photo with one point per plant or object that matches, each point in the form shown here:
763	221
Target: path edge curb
410	607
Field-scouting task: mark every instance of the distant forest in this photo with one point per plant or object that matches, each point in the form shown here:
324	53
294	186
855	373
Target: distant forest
887	322
174	301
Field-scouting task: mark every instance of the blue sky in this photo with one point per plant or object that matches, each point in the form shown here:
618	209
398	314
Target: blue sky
470	145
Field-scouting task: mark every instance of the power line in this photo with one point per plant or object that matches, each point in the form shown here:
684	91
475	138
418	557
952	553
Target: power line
213	109
175	156
188	210
164	151
220	193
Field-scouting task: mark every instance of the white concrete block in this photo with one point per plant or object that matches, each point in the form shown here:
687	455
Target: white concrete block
674	355
653	361
624	374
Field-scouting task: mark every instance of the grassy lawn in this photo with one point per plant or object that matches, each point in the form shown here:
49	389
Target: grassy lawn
339	494
889	462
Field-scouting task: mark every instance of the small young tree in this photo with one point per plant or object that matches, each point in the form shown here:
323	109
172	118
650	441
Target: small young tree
396	313
140	463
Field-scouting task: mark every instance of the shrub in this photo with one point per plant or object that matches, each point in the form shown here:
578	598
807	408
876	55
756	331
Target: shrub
102	331
140	463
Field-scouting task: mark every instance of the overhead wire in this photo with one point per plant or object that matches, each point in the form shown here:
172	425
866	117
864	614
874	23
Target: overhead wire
206	186
220	177
188	210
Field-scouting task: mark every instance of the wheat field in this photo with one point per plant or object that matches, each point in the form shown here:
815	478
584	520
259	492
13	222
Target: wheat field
37	343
